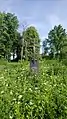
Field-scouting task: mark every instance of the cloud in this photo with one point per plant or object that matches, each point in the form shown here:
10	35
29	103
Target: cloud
42	14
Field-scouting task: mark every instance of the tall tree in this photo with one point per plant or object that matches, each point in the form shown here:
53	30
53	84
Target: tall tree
8	29
24	26
12	24
4	36
31	42
18	45
56	39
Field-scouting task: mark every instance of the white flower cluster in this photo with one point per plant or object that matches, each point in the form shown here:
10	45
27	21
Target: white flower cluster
2	92
20	96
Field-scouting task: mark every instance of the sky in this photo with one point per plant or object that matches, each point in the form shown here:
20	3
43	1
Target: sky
43	14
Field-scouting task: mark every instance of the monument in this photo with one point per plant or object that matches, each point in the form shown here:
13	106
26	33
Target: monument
34	60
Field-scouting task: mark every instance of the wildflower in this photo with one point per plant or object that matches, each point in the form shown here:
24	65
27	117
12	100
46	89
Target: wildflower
6	84
44	83
29	88
51	77
43	73
1	77
18	77
35	75
31	103
36	88
11	92
20	96
23	69
2	92
11	117
14	99
46	74
18	102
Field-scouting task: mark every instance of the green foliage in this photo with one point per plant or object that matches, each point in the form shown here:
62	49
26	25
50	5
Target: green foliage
31	40
57	42
8	31
26	96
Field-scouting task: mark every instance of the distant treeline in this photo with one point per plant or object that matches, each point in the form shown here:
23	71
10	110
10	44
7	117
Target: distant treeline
12	42
27	44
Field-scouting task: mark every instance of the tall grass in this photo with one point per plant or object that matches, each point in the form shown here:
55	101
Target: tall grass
24	95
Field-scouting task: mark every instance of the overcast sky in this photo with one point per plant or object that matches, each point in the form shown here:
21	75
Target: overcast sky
43	14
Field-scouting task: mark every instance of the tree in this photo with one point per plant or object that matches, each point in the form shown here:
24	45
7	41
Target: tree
4	36
24	26
8	29
18	46
12	24
56	40
31	43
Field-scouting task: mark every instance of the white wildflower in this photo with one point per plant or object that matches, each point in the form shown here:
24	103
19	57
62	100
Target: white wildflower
11	117
51	77
18	77
46	74
43	73
61	83
1	77
44	83
30	89
2	92
20	96
11	92
18	102
31	103
35	75
14	99
21	74
6	84
36	88
54	84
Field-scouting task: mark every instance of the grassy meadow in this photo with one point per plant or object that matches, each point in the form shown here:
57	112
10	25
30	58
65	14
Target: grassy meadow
24	95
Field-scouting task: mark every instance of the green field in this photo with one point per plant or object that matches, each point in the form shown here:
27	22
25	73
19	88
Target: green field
24	95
